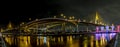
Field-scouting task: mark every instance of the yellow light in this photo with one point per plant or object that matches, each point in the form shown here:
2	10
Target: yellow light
96	18
9	40
84	20
54	16
29	18
97	44
36	19
10	25
61	39
101	41
85	43
1	30
72	17
58	39
92	41
62	14
22	23
48	43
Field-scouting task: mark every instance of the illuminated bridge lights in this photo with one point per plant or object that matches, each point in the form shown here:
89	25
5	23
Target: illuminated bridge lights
108	29
49	24
118	28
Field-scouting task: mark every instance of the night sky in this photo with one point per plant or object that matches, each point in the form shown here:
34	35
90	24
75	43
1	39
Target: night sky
17	12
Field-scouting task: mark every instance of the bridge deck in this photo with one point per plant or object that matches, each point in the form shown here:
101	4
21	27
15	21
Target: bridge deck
54	34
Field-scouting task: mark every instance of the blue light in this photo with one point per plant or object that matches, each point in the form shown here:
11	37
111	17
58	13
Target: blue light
45	40
105	35
107	28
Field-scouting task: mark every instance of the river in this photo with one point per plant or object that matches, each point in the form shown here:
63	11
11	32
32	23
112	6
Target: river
82	40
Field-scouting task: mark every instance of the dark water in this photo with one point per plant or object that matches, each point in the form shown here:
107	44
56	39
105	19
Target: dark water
89	40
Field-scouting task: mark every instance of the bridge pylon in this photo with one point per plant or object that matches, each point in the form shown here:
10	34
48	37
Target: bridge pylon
98	19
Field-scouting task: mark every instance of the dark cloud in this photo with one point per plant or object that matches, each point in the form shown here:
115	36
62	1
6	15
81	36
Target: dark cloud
109	10
17	12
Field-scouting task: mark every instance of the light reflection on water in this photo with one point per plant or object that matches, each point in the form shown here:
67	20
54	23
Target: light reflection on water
91	40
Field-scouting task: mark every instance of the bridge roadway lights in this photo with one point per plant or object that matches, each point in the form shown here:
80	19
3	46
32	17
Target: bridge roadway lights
102	28
107	28
97	29
118	28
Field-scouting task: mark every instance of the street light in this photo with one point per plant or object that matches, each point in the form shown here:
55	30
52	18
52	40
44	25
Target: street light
70	18
29	18
36	19
54	16
22	23
73	17
62	15
84	20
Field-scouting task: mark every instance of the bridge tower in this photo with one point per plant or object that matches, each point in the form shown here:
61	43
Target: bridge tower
98	19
